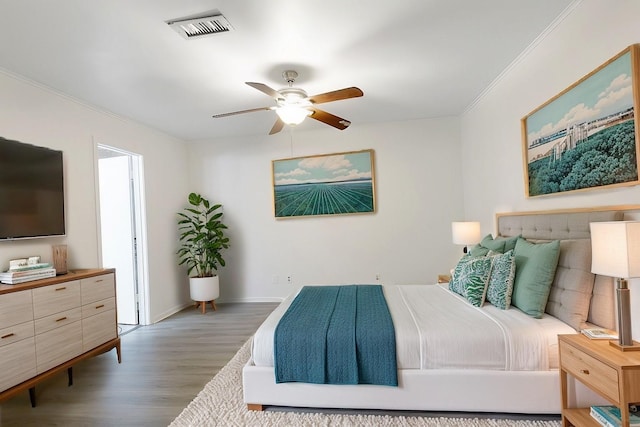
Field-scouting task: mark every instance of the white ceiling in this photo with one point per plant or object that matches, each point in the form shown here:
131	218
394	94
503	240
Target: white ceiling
412	58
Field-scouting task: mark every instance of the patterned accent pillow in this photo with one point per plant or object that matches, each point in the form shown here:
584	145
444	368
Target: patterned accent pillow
470	279
500	286
456	284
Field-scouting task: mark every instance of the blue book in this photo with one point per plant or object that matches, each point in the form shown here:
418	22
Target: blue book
609	416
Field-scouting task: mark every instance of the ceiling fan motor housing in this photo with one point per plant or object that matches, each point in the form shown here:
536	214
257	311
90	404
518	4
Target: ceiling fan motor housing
294	96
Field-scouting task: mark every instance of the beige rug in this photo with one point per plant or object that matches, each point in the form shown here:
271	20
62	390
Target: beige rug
220	404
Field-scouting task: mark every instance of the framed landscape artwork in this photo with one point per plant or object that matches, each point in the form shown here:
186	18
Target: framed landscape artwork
586	137
326	184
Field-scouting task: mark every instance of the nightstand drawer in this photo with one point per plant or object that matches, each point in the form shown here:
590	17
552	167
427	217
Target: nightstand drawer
590	371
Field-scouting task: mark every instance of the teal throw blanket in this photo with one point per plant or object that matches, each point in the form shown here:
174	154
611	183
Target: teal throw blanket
337	335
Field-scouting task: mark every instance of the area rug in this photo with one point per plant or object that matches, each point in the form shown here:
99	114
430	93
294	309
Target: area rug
220	403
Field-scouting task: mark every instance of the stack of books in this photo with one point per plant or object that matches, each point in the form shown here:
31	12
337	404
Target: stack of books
609	416
599	334
27	273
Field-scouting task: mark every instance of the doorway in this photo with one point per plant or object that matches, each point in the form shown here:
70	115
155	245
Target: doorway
122	242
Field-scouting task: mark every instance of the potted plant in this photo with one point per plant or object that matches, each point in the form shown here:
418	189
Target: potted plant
202	241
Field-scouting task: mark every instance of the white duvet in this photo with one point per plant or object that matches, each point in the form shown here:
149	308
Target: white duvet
438	329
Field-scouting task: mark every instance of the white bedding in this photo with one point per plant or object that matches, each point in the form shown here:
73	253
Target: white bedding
438	329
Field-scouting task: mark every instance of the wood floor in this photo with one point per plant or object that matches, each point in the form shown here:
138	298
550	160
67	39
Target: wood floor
163	367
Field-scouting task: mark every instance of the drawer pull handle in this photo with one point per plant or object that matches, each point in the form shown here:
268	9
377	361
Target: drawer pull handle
99	306
61	319
8	335
584	371
99	280
61	289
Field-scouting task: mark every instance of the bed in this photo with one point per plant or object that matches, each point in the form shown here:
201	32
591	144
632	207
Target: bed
512	370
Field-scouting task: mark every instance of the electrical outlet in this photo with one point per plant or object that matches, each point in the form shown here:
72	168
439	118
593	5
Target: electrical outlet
377	277
289	281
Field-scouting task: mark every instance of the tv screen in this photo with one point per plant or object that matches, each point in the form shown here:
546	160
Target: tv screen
31	191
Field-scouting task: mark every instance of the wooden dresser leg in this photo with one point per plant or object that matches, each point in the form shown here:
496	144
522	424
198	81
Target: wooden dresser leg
213	305
32	396
203	306
255	407
118	352
70	375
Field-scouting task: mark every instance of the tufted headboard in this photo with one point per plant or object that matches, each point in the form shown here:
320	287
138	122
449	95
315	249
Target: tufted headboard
578	297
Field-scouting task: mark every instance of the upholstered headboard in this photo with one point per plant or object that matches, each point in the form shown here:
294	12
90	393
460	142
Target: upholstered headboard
578	297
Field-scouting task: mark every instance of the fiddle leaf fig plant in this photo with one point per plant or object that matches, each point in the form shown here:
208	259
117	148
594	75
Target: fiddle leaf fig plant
202	238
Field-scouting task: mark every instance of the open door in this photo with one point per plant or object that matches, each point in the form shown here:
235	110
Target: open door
119	230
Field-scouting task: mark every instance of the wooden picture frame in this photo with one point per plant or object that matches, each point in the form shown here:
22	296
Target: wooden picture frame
586	137
325	184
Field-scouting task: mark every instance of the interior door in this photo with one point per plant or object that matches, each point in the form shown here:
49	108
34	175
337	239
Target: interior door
118	232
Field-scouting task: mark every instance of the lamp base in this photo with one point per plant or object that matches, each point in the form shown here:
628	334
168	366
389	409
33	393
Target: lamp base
633	347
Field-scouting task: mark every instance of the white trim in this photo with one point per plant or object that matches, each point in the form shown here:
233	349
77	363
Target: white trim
566	12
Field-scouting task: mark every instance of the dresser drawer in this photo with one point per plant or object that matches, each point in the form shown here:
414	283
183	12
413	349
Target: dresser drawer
57	320
18	363
98	288
58	346
16	333
590	371
15	308
53	299
98	329
98	307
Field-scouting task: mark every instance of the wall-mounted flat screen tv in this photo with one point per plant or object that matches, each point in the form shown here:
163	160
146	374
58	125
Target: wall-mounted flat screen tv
31	191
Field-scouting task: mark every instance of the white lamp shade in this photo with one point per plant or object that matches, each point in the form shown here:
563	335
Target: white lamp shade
615	248
465	232
292	115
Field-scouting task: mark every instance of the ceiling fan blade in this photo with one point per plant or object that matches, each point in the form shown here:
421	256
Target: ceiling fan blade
265	89
277	126
336	95
330	119
251	110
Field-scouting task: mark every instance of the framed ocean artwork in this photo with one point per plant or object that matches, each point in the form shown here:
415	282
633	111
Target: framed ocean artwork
324	184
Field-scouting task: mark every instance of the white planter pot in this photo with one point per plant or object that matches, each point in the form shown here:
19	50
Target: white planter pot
204	288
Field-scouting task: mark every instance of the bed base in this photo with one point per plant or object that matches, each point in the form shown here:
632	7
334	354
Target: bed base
518	392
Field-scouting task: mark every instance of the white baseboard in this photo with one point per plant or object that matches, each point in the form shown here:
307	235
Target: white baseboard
257	299
171	311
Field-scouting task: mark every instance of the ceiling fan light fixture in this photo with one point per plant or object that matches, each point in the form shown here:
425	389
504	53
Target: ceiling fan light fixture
292	115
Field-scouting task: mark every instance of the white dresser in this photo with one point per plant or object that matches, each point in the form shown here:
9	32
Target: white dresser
49	325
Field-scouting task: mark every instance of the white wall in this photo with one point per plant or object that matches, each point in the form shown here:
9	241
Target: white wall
590	35
408	239
32	114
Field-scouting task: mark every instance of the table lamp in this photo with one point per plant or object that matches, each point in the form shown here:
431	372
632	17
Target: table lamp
615	248
465	233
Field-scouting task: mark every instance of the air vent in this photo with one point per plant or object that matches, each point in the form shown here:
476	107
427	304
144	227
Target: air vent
200	26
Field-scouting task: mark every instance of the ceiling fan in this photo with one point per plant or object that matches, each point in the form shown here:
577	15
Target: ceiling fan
293	104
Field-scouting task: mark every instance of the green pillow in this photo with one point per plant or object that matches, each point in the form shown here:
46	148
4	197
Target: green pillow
509	242
470	279
478	250
535	269
455	284
500	286
494	245
476	280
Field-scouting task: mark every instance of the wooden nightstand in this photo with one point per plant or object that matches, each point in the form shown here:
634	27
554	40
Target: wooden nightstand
613	374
